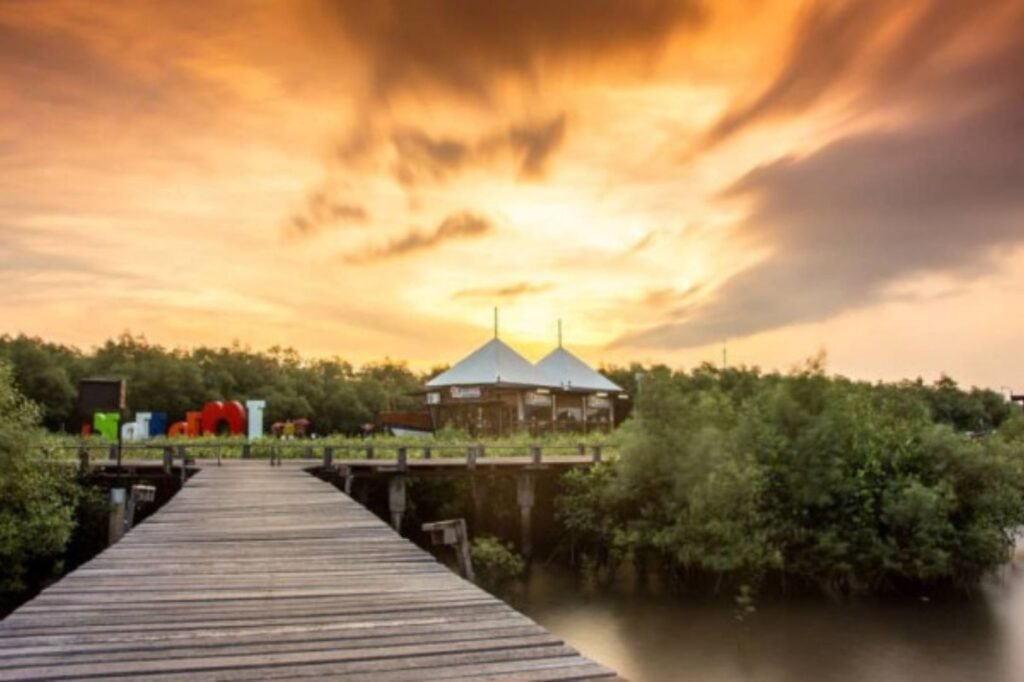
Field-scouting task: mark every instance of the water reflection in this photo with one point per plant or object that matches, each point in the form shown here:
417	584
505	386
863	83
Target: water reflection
646	634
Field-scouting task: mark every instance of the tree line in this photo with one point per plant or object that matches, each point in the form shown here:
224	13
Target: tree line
339	397
335	395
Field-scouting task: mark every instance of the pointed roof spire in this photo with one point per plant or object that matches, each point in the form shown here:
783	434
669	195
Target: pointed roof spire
491	364
568	371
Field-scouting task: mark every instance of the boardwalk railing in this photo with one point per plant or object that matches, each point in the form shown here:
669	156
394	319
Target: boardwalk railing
330	454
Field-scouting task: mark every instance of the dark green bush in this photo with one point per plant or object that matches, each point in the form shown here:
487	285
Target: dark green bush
494	563
847	486
38	495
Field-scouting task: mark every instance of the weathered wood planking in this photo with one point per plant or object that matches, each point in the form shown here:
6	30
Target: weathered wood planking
252	572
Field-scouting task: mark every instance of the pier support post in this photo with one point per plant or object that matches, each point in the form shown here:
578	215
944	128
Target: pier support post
138	495
453	534
478	502
346	477
115	525
396	501
525	487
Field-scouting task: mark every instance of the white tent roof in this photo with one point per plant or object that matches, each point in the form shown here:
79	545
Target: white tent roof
571	373
492	363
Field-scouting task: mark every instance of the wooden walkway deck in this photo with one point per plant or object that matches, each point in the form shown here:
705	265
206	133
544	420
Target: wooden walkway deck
252	572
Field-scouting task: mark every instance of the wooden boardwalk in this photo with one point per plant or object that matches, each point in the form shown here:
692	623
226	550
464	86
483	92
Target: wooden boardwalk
252	572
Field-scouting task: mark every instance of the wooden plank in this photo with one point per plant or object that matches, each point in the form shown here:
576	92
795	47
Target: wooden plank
252	572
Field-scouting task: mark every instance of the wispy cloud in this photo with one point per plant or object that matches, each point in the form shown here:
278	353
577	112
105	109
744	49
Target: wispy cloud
849	222
506	292
421	157
322	211
455	227
468	48
880	43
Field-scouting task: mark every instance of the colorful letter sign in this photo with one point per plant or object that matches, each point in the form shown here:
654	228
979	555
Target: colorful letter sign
217	414
215	418
105	424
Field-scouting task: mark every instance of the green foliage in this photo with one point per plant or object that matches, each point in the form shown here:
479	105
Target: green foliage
843	485
37	493
336	397
495	564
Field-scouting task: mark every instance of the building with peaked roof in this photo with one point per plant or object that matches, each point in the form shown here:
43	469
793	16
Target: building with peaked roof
491	392
584	397
495	391
572	374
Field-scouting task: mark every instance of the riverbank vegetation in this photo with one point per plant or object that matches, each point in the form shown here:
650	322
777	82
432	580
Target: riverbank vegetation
38	498
721	477
737	478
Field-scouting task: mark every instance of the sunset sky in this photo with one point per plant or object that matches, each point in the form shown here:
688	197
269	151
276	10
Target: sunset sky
370	178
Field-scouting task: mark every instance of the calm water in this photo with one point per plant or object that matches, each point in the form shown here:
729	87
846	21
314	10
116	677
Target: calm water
645	636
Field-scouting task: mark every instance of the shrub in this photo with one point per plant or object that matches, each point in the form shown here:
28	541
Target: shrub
37	494
495	564
847	486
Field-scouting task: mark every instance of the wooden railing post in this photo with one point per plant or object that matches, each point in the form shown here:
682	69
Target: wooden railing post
426	452
115	524
403	459
83	460
328	457
535	454
168	460
581	450
597	454
138	495
182	455
246	451
369	452
471	456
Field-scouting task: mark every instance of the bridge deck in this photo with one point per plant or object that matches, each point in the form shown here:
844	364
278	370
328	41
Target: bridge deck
252	572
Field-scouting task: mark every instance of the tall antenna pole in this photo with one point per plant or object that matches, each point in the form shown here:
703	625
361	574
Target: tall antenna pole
495	321
559	332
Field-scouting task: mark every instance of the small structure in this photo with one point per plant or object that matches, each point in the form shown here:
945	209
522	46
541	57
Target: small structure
491	392
584	399
495	391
